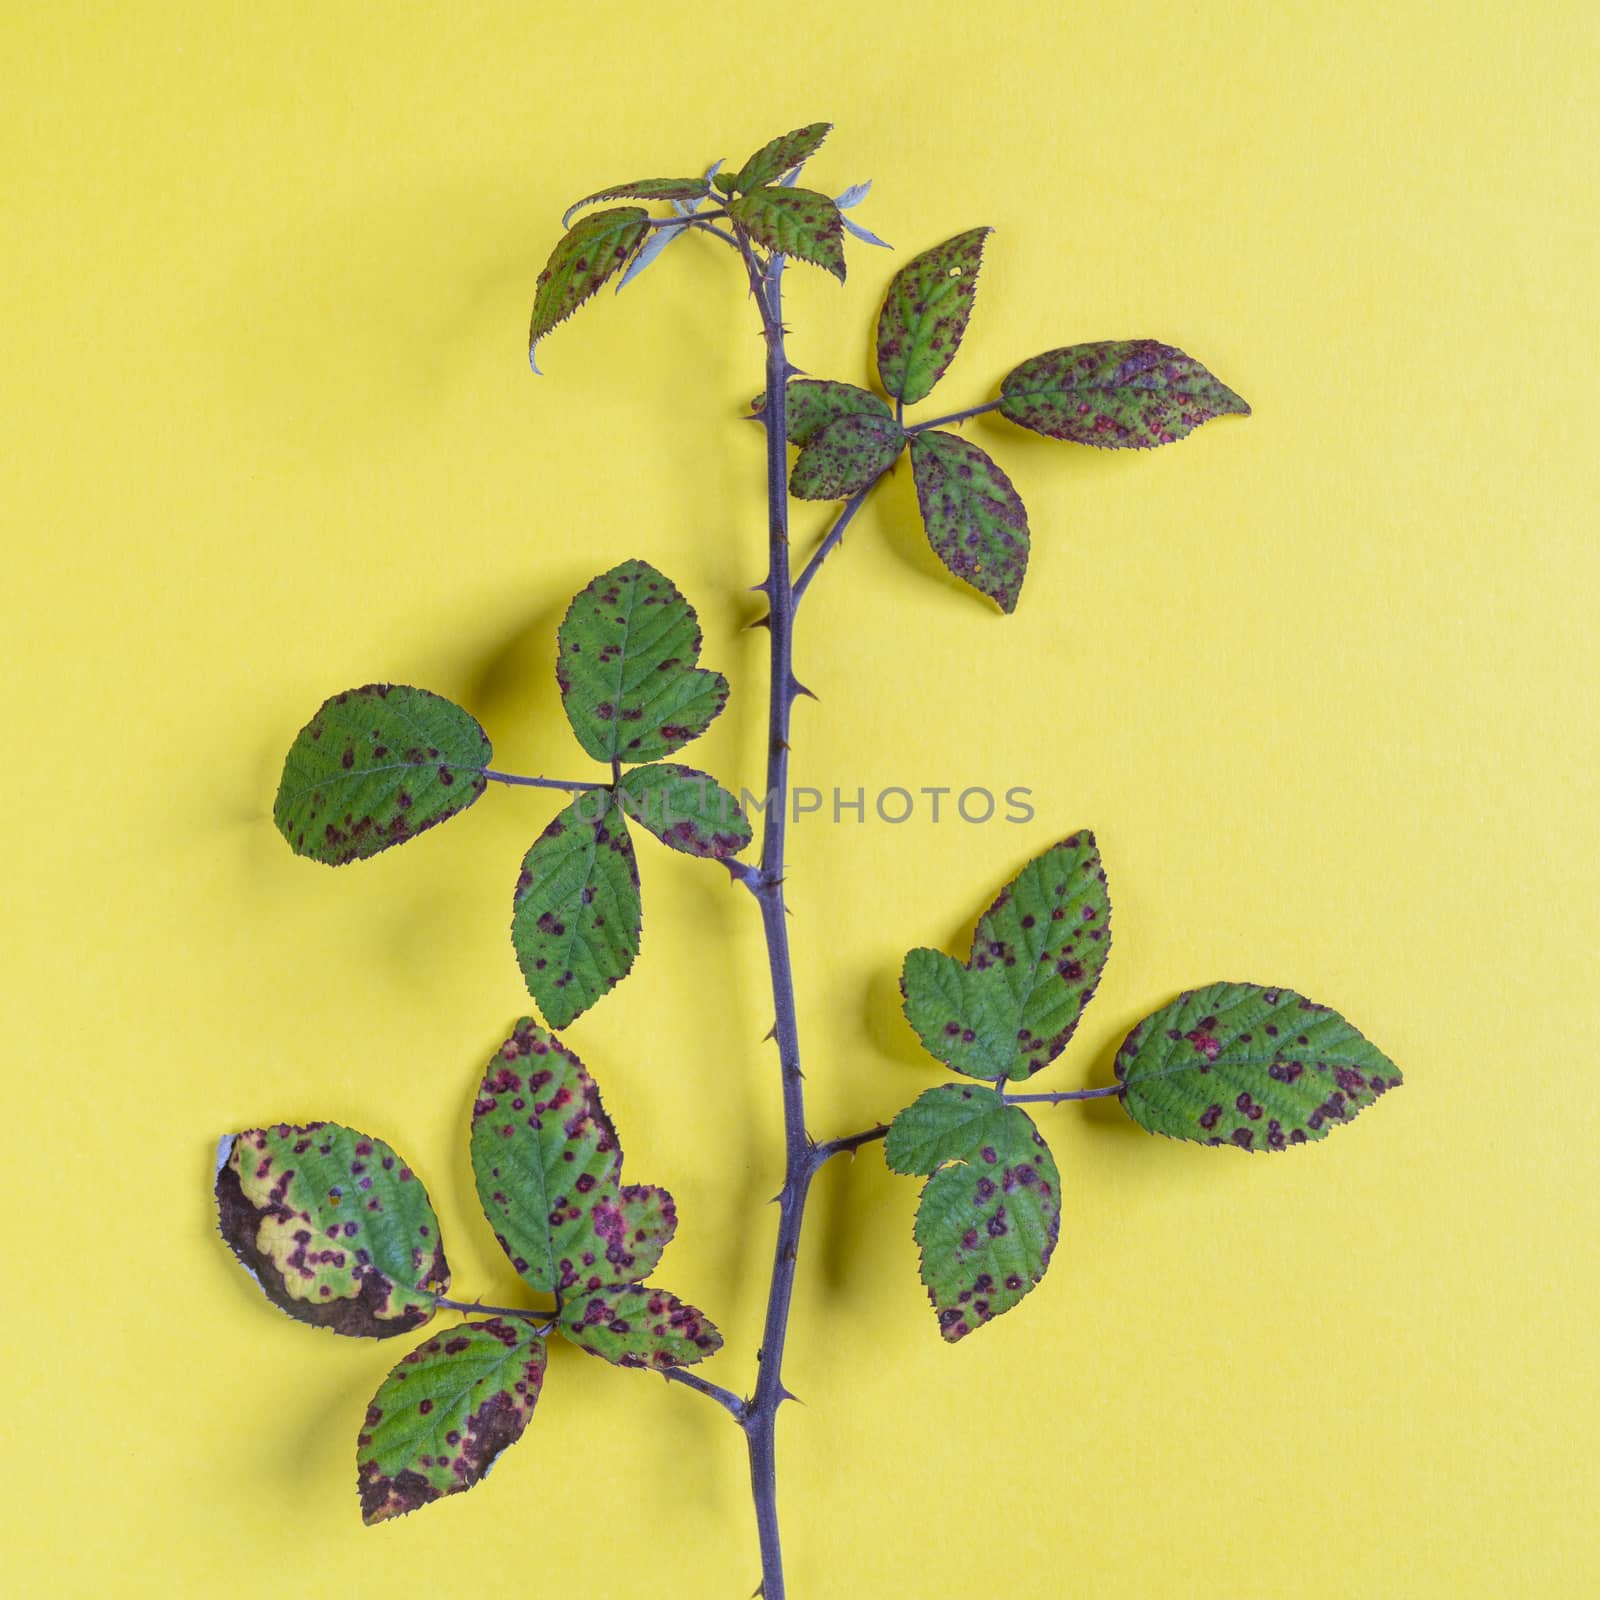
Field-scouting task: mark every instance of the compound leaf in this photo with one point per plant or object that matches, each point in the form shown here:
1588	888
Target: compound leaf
987	1225
632	1325
597	246
976	521
576	917
439	1420
626	667
685	809
845	457
950	1123
377	766
774	159
1237	1064
1120	394
925	314
812	403
1037	955
642	189
794	222
333	1225
547	1164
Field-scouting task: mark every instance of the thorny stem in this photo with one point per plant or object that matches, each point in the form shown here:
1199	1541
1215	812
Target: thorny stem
571	785
1061	1096
478	1308
712	1391
831	543
954	416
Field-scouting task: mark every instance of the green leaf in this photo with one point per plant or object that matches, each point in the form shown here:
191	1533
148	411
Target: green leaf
1261	1069
987	1225
377	766
626	667
1121	394
950	1123
547	1164
439	1420
642	189
794	222
925	314
635	1326
976	521
576	918
845	457
773	160
812	403
1037	955
333	1225
685	809
598	246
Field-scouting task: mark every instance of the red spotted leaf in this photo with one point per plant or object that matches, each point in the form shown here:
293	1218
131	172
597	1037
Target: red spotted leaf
780	156
633	1325
1037	955
925	314
846	456
812	403
445	1413
547	1164
794	222
576	917
976	522
375	767
685	809
1121	394
335	1228
1255	1068
598	246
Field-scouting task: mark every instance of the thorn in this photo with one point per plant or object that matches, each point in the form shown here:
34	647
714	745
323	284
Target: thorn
785	1393
796	687
790	370
760	622
764	587
783	744
772	1032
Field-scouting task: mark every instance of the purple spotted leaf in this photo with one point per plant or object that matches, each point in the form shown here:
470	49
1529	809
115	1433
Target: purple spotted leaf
990	1215
375	767
773	160
1037	955
794	222
846	456
685	809
597	248
576	918
548	1167
1259	1069
950	1123
976	521
812	403
439	1420
633	1325
925	315
335	1228
1120	394
626	667
641	189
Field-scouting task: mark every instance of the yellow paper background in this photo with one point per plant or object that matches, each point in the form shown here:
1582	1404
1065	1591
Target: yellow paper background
1323	681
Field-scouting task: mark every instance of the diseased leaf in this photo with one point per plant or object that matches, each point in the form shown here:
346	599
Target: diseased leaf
794	222
641	189
334	1226
812	403
636	1326
598	246
987	1226
547	1164
773	160
975	519
925	314
377	766
845	457
950	1123
1237	1064
626	667
1037	955
685	809
1120	394
576	917
439	1420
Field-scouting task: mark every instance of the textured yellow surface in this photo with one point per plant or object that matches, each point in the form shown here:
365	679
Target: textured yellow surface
1324	681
